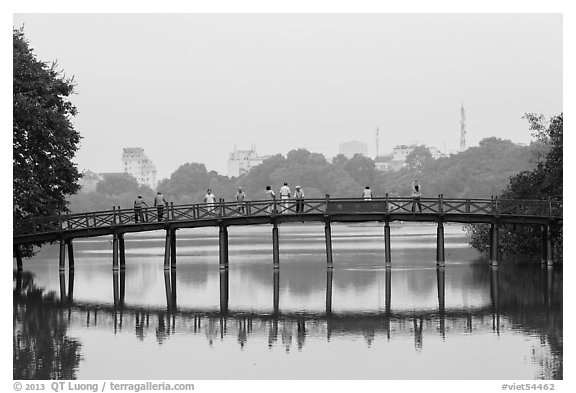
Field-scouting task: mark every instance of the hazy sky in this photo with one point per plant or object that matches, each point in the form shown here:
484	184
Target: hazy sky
191	87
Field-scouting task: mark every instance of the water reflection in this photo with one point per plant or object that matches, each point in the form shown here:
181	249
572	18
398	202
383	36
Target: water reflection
42	348
523	299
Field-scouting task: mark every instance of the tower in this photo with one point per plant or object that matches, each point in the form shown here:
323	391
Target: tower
377	152
462	128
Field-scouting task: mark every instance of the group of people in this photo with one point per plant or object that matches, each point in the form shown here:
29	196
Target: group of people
159	203
416	195
285	196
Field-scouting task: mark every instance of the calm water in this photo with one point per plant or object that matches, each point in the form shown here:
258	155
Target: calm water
303	321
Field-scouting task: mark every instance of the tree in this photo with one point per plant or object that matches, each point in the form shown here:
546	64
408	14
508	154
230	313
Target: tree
361	169
543	182
419	158
44	139
117	183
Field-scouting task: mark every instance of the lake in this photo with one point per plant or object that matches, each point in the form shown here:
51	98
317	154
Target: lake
357	320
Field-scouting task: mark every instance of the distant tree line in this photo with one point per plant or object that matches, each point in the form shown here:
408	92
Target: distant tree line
478	172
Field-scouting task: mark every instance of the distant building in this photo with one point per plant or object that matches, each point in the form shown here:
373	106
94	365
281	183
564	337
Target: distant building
397	159
136	163
242	161
349	149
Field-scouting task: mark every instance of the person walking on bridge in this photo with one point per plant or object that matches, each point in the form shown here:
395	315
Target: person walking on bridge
367	194
240	200
284	196
138	213
416	193
159	203
271	197
299	197
209	200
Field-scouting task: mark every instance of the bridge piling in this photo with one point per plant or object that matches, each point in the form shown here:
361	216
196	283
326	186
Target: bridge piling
328	236
388	291
276	293
546	246
275	246
115	251
168	247
494	244
173	249
70	254
223	246
122	251
62	256
440	257
18	254
329	279
387	251
224	295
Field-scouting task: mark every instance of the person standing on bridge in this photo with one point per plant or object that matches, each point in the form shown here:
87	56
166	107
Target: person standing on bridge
271	197
138	213
299	197
367	194
159	203
284	196
209	200
416	193
240	200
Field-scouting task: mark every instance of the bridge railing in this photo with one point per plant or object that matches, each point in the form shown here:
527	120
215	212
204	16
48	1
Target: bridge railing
223	210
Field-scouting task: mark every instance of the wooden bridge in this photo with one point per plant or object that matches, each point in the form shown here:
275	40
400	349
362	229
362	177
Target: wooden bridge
117	222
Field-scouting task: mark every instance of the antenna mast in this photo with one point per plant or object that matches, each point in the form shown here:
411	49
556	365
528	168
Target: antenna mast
462	128
377	144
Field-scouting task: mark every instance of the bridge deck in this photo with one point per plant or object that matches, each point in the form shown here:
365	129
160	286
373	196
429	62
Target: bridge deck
99	223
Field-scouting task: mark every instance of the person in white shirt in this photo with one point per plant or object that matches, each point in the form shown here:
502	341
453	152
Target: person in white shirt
271	197
159	203
209	199
367	194
416	193
284	196
299	197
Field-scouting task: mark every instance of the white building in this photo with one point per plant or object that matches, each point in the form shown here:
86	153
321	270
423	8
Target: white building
136	163
242	161
349	149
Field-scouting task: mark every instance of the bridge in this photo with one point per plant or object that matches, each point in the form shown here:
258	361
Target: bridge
117	222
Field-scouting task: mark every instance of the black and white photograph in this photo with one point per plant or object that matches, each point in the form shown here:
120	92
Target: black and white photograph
287	196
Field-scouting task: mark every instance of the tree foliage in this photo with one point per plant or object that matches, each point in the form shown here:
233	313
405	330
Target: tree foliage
545	181
44	139
419	158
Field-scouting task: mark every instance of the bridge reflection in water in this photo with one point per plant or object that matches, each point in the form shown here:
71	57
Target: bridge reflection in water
279	325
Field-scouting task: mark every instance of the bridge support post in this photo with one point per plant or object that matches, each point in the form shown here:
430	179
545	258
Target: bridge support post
223	243
18	254
328	236
115	251
441	279
173	249
70	254
62	256
224	285
122	251
167	249
329	278
388	291
440	257
387	250
494	244
275	246
276	294
546	246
